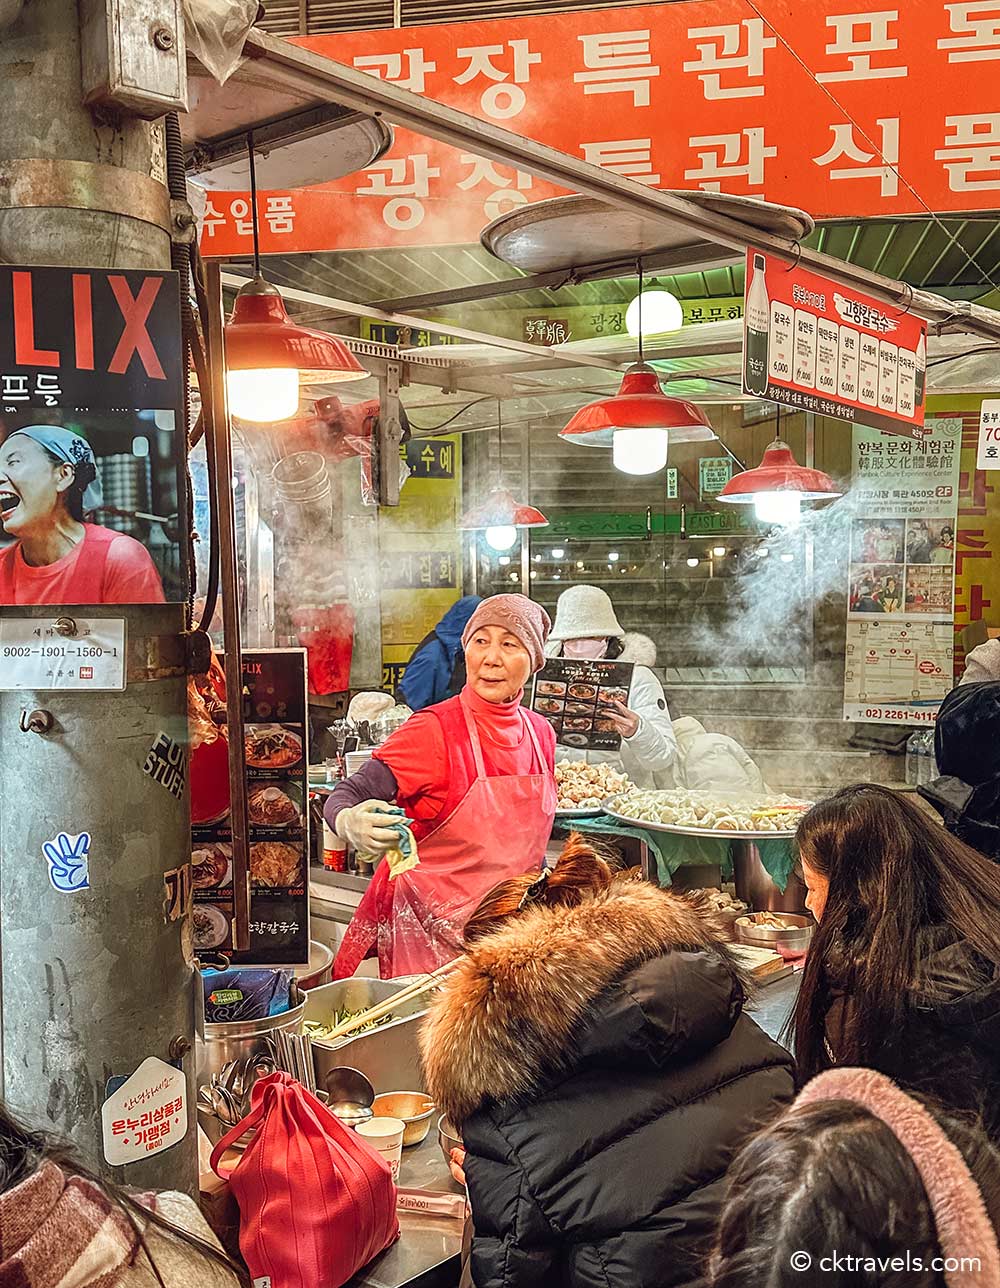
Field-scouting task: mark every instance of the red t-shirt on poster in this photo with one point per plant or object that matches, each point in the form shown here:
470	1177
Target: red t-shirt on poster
127	573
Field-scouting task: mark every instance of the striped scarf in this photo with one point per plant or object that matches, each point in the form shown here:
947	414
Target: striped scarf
62	1232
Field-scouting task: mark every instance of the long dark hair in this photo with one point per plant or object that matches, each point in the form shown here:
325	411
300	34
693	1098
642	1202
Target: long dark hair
23	1151
894	875
84	473
828	1177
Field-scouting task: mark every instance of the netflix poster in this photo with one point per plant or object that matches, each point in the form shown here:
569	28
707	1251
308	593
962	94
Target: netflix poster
93	496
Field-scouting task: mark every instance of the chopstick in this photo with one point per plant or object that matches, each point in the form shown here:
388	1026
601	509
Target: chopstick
407	994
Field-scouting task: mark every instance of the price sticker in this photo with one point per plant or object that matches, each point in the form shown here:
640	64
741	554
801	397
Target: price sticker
34	654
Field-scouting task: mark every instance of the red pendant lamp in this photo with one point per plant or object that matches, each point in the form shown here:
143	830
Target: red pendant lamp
778	486
500	515
267	355
639	422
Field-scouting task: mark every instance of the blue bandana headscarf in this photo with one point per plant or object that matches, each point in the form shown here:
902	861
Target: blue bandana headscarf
71	448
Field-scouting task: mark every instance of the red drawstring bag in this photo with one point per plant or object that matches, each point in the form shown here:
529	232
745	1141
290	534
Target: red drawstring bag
316	1201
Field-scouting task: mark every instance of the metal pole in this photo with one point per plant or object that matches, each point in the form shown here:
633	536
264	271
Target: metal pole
219	428
95	982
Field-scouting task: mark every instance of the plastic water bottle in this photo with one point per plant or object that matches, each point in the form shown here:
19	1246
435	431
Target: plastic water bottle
927	764
913	758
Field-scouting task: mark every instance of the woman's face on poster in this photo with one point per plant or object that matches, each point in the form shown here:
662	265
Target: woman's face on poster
31	485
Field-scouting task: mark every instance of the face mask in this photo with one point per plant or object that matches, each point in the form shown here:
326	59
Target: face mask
589	650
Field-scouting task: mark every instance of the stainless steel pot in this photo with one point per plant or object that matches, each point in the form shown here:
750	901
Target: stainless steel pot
754	885
242	1039
320	968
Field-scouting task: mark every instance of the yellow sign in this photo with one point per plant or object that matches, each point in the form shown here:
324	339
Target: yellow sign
977	542
420	550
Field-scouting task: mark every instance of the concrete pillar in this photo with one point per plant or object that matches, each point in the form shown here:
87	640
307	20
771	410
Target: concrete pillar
92	983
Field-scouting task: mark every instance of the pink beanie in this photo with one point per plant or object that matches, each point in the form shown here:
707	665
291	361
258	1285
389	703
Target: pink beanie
519	615
964	1228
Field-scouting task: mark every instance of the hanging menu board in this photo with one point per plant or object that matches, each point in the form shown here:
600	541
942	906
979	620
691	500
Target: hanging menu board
276	755
900	627
814	345
573	696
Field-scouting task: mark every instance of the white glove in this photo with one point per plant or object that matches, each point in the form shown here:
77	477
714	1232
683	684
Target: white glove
368	827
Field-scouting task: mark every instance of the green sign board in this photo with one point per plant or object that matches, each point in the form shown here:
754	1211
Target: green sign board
671	485
595	524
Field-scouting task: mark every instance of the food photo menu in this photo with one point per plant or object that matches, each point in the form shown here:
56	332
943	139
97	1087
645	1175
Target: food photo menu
276	756
573	695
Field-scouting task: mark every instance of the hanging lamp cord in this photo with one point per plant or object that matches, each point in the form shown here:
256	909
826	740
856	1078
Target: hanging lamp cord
253	206
638	267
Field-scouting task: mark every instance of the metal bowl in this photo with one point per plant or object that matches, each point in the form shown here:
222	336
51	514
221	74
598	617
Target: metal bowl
791	939
413	1108
448	1138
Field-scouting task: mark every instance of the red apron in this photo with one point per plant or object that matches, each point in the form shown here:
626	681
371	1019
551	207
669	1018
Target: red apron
499	829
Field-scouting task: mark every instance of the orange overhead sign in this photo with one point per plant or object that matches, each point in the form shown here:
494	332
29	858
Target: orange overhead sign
865	111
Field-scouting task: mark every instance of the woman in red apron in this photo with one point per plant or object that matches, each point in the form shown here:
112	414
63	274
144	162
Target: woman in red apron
475	776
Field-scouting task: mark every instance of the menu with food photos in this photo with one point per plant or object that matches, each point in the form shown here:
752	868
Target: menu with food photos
573	696
276	755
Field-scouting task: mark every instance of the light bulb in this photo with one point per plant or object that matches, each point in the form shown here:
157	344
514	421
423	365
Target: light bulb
640	451
693	563
501	538
263	395
504	561
661	312
787	558
719	551
613	556
778	507
140	446
557	552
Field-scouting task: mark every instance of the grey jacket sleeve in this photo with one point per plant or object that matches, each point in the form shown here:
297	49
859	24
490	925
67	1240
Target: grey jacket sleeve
374	781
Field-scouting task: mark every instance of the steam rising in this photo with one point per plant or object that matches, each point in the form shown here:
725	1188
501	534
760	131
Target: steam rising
772	598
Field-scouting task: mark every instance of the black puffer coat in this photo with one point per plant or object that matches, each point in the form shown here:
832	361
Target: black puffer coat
948	1045
603	1076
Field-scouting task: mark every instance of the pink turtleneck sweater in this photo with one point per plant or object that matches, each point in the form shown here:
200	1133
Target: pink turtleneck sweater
427	775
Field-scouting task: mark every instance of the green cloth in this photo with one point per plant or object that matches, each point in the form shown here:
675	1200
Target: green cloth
675	851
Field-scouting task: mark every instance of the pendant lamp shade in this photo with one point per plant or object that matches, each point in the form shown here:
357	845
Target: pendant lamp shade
640	403
260	336
779	471
500	509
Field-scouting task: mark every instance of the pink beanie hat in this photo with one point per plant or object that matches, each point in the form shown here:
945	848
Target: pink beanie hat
519	615
964	1228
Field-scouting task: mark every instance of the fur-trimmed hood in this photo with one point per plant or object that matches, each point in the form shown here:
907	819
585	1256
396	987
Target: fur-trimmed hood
633	977
638	648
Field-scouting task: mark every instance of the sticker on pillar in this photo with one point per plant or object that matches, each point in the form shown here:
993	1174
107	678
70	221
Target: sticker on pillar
177	890
68	860
146	1115
165	764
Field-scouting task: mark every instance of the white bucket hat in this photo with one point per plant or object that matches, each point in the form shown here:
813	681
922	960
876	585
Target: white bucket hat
583	613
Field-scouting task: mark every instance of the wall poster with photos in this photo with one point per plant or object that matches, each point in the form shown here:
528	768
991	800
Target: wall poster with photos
901	587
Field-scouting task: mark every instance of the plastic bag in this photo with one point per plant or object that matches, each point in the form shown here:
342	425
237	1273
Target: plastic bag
233	995
216	31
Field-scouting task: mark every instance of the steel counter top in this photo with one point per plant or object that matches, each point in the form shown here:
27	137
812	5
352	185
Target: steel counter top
428	1251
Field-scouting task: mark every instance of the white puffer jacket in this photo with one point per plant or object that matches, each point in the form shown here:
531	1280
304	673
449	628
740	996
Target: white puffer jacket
650	752
713	762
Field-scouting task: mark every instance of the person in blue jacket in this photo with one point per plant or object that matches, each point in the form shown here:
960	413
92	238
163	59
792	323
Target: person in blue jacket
436	669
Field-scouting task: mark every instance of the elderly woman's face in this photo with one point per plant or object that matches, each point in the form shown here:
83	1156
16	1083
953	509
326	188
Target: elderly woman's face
497	664
31	485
